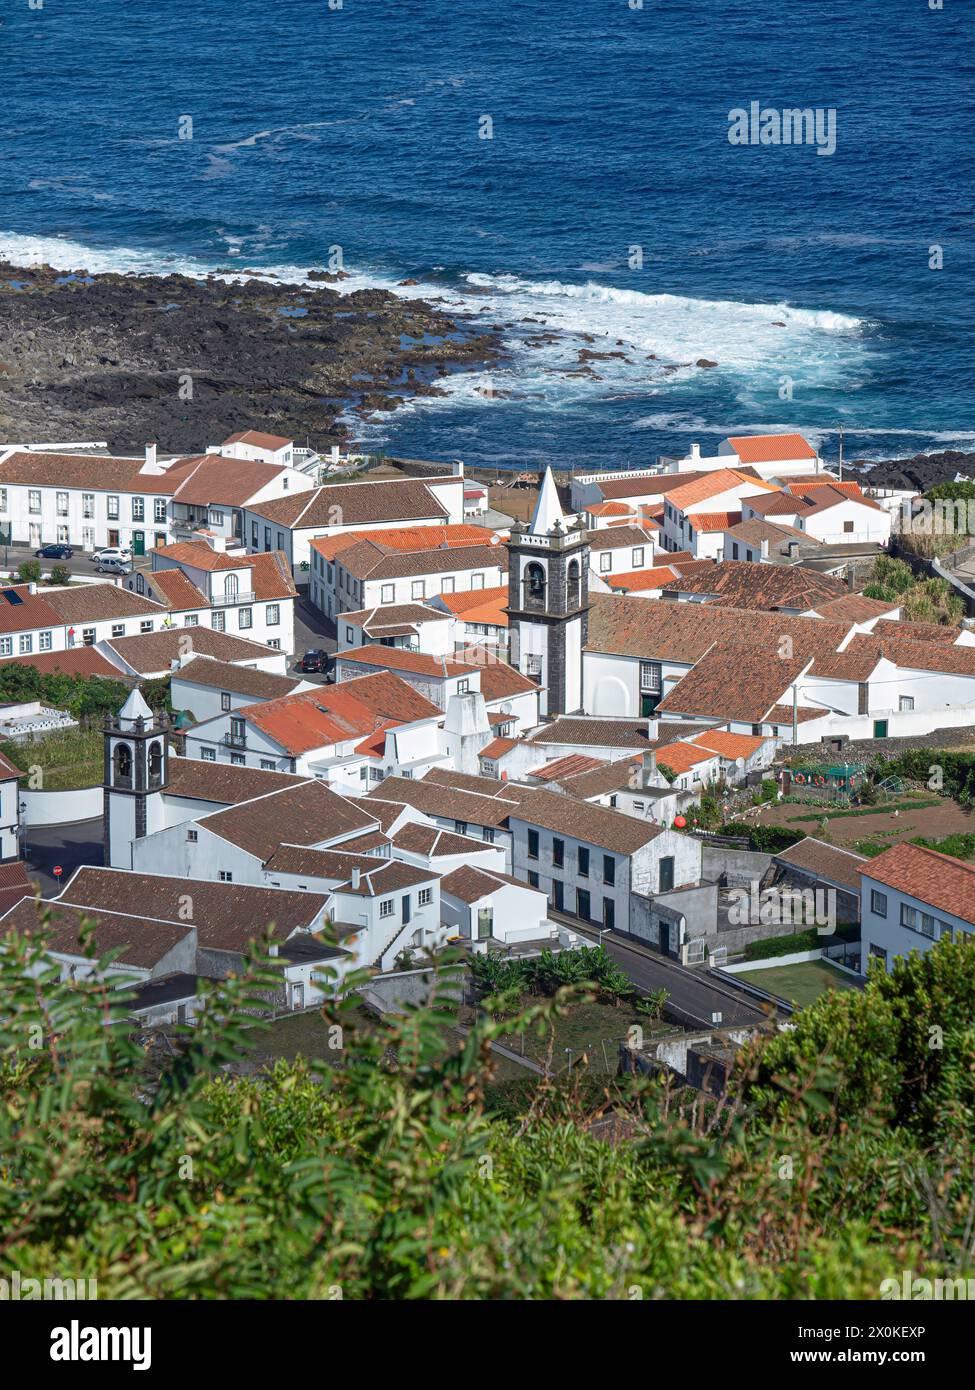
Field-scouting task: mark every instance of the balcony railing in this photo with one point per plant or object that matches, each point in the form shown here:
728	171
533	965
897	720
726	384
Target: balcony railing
224	600
235	740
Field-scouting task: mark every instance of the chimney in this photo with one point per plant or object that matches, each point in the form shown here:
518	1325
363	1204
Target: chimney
32	587
150	455
695	451
765	547
649	768
793	550
356	876
851	576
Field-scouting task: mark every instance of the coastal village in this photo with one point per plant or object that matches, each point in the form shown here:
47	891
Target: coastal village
384	710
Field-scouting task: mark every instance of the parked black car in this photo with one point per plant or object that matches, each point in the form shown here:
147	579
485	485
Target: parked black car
314	661
54	552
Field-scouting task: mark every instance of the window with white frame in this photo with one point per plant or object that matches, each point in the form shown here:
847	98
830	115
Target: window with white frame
88	505
145	625
191	620
447	584
112	506
26	642
246	617
46	641
605	561
88	636
418	589
425	897
3	499
215	516
6	646
272	614
477	581
159	509
61	503
275	643
267	764
226	876
637	557
209	755
34	500
138	509
386	907
387	593
225	699
118	629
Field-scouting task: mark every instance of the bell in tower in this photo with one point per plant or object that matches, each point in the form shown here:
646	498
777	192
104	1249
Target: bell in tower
135	778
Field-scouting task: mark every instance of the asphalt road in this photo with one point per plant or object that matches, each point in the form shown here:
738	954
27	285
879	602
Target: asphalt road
11	556
692	991
313	632
67	846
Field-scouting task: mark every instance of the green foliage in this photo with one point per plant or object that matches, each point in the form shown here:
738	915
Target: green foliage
84	697
29	571
667	773
951	772
390	1176
651	1004
765	839
923	600
807	940
549	972
958	845
60	574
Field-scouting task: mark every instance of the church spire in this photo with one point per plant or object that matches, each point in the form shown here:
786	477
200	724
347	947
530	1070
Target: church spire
548	509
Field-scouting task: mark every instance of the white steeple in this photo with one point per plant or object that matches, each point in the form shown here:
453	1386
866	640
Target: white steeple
134	708
548	509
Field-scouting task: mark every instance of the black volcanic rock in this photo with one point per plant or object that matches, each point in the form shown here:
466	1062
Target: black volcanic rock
185	362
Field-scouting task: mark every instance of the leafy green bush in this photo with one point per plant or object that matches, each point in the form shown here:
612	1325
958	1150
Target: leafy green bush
764	839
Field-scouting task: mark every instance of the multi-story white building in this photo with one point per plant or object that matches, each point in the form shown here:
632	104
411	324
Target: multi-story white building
91	501
250	595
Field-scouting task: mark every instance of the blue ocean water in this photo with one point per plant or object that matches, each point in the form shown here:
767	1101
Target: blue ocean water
609	209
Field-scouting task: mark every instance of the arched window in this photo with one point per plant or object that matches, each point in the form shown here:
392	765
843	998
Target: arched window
533	581
123	765
230	588
155	763
573	587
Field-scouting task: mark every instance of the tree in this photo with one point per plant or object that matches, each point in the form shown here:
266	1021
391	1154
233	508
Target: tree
60	574
29	571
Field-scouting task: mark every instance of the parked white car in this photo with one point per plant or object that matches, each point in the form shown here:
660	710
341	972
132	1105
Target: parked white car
112	552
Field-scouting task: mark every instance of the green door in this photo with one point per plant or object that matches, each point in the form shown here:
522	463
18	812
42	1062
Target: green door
139	542
880	728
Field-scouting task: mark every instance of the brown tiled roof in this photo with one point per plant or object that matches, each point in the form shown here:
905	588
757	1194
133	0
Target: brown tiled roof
431	840
833	865
202	556
734	683
436	799
499	681
917	632
853	608
701	487
497	748
140	941
93	473
405	538
770	448
332	864
87	603
355	504
388	876
683	757
745	584
390	697
568	766
32	611
302	722
728	745
272	576
79	661
682	632
309	813
820	499
777	533
654	486
227	916
777	504
176	590
402	659
224	782
367	560
228	482
156	651
582	820
241	680
943	882
594	732
618	537
470	883
260	440
713	521
14	883
391	615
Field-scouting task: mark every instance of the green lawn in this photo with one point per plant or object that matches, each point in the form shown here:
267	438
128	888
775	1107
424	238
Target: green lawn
802	983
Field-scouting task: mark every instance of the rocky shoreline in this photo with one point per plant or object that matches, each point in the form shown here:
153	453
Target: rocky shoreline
923	471
184	362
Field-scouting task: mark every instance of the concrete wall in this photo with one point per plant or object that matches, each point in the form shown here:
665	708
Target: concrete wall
60	808
742	866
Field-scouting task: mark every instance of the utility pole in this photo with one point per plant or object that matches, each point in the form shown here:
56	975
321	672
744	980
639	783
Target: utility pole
841	453
795	714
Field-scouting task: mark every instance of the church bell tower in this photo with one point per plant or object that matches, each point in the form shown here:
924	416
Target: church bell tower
136	775
548	602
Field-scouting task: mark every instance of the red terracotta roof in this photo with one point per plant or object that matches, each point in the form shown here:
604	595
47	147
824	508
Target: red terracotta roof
770	448
943	882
